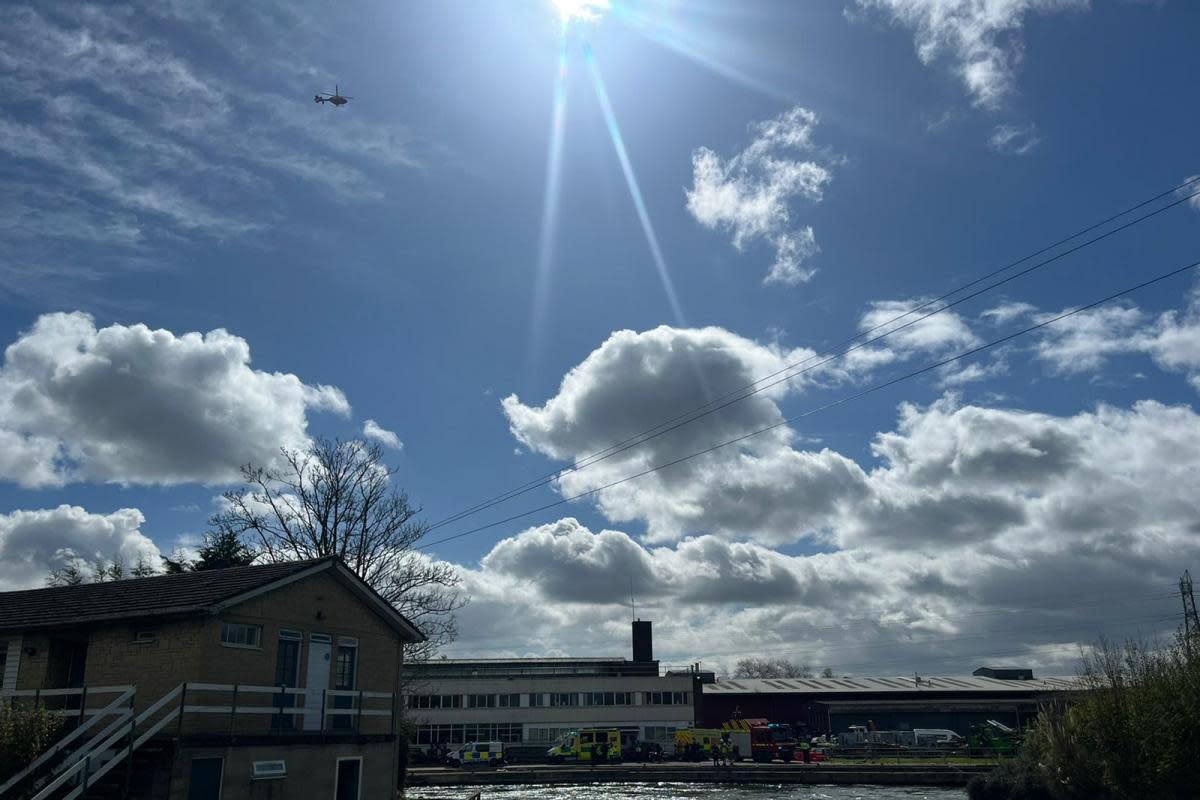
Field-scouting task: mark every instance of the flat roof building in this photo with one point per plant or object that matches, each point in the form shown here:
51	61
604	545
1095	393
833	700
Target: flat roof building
535	701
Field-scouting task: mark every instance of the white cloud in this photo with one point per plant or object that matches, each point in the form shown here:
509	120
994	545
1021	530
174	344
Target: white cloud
128	404
34	542
1006	312
982	38
1085	341
1014	140
979	532
750	194
1193	201
376	433
634	381
937	333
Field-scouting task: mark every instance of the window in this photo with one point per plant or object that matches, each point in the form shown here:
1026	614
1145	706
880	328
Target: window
481	701
344	668
667	698
537	700
473	732
539	735
564	699
144	637
608	698
235	634
435	701
659	733
510	701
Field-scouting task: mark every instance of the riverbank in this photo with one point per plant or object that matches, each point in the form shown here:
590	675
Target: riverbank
950	776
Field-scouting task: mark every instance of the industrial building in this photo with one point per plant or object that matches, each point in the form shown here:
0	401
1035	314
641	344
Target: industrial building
822	705
535	701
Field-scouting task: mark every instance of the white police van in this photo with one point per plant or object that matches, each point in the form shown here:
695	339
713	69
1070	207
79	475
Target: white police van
477	754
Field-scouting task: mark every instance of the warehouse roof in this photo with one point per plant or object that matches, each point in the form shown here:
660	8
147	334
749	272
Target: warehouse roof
736	686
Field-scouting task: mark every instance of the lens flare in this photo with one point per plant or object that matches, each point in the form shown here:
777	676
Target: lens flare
582	10
614	132
546	241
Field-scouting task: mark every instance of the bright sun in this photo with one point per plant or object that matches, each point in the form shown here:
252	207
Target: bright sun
583	10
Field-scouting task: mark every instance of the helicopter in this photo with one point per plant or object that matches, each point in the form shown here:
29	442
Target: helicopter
334	97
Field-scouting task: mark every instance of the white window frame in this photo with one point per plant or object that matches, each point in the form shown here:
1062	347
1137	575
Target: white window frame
235	645
337	768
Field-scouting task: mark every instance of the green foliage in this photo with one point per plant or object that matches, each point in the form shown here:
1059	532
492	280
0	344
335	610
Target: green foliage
73	574
223	548
25	731
1135	734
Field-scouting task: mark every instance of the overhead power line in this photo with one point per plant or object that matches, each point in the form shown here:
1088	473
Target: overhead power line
748	390
825	406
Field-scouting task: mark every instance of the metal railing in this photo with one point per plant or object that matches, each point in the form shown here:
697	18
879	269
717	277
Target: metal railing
85	765
121	708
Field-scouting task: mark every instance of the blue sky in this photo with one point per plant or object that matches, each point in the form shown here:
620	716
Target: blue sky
164	166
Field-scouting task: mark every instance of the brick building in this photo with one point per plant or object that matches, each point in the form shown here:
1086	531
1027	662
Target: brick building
274	680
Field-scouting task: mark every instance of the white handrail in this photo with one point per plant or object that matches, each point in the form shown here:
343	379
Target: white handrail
61	744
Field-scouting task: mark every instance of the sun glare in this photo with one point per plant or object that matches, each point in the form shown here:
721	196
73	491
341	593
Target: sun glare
582	10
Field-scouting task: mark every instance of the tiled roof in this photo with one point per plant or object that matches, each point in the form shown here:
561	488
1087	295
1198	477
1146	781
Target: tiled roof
158	596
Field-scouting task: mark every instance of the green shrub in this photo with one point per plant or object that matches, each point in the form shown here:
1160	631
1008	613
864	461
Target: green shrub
1134	734
25	732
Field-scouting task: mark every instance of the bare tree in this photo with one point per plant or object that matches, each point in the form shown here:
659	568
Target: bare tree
337	498
771	668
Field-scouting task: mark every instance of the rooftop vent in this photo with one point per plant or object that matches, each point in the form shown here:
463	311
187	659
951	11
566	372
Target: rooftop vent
1004	673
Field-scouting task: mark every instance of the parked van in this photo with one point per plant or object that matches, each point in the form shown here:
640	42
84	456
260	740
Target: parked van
477	754
587	744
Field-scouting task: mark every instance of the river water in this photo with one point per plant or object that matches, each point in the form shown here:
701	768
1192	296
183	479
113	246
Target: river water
685	791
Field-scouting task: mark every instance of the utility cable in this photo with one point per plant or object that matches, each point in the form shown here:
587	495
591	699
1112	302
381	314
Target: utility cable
749	389
824	407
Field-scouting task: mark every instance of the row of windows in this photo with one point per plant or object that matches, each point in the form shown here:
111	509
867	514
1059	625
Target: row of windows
512	733
435	701
659	733
667	698
470	732
608	698
537	700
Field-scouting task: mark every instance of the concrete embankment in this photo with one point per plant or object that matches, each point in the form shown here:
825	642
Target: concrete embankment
841	774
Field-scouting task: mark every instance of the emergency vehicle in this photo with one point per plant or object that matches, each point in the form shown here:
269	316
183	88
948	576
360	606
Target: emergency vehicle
477	754
587	744
696	744
760	740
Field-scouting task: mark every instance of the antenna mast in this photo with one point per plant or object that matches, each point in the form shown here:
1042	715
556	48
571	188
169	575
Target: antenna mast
1191	623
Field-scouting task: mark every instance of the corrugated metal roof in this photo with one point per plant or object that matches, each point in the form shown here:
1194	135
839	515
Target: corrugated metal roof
888	685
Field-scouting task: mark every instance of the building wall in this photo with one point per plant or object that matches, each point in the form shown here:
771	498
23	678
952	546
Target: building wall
311	771
191	650
156	667
536	721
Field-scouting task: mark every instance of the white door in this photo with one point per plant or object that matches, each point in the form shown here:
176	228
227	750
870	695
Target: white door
319	649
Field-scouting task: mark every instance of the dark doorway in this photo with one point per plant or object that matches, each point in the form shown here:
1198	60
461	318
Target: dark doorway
349	775
66	663
205	783
287	674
